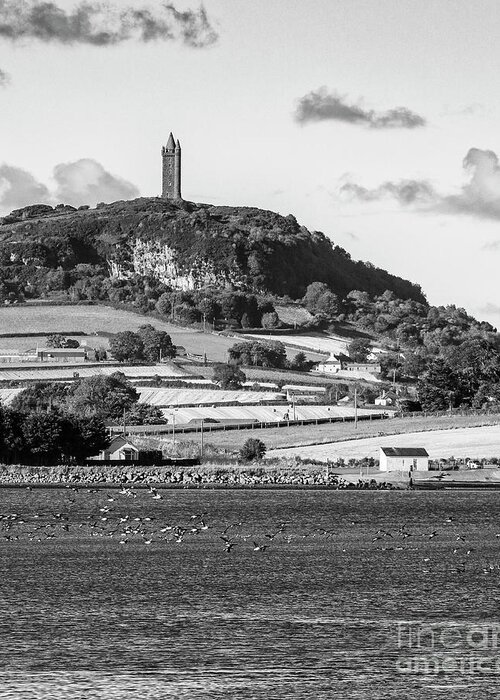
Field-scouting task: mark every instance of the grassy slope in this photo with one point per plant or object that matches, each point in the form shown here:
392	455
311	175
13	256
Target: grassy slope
96	319
335	432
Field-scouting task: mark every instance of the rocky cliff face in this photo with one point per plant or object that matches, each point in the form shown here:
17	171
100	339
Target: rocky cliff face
187	246
159	260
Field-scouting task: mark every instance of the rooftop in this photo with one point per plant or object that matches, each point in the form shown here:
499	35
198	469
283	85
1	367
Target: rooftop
120	442
405	451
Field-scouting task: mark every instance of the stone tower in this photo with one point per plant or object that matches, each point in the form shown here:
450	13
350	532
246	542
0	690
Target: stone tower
171	180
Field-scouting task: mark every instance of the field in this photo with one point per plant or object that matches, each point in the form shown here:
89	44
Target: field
293	314
262	414
479	442
315	342
200	397
275	375
62	372
303	436
95	320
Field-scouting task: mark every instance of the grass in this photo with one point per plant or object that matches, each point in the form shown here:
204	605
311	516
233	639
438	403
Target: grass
30	342
481	442
275	375
89	319
93	320
275	438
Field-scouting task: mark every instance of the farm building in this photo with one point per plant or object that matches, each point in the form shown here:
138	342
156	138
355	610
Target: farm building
386	398
15	357
297	392
343	363
330	366
61	354
404	459
120	450
368	367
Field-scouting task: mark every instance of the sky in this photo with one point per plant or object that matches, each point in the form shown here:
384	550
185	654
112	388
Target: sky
374	121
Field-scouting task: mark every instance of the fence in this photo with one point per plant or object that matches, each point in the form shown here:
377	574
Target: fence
242	425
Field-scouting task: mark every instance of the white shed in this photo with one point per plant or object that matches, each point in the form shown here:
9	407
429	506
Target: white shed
121	449
404	459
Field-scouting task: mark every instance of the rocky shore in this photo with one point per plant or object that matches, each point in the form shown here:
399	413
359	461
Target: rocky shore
203	476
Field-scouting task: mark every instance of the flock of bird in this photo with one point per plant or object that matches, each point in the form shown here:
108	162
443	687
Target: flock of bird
461	549
111	520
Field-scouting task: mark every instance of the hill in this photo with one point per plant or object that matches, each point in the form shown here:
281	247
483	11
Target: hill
181	244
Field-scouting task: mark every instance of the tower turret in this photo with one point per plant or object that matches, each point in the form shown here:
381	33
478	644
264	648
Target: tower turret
171	171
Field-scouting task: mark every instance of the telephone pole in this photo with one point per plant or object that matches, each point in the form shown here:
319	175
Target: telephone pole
355	406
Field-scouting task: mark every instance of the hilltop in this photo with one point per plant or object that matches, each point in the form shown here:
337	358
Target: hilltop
181	244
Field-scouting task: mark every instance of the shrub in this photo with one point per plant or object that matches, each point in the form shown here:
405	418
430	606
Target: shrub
252	449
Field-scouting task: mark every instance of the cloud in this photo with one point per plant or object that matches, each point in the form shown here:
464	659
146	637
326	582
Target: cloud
18	188
405	192
320	105
479	197
103	24
490	309
491	245
469	110
83	182
4	78
195	26
87	182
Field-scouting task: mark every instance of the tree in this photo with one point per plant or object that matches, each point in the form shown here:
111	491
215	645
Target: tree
265	353
253	449
156	344
246	321
232	305
106	397
185	313
439	387
43	435
143	414
164	304
92	436
55	340
415	363
328	304
208	308
364	394
127	346
270	319
11	437
300	363
359	349
228	376
313	292
41	396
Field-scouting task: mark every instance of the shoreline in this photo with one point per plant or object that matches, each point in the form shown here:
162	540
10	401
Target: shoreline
210	476
186	487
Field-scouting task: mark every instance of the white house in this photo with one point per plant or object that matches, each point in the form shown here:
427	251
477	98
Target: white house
330	366
386	398
120	449
407	459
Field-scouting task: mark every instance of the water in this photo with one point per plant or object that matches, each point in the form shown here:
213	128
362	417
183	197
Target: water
313	616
